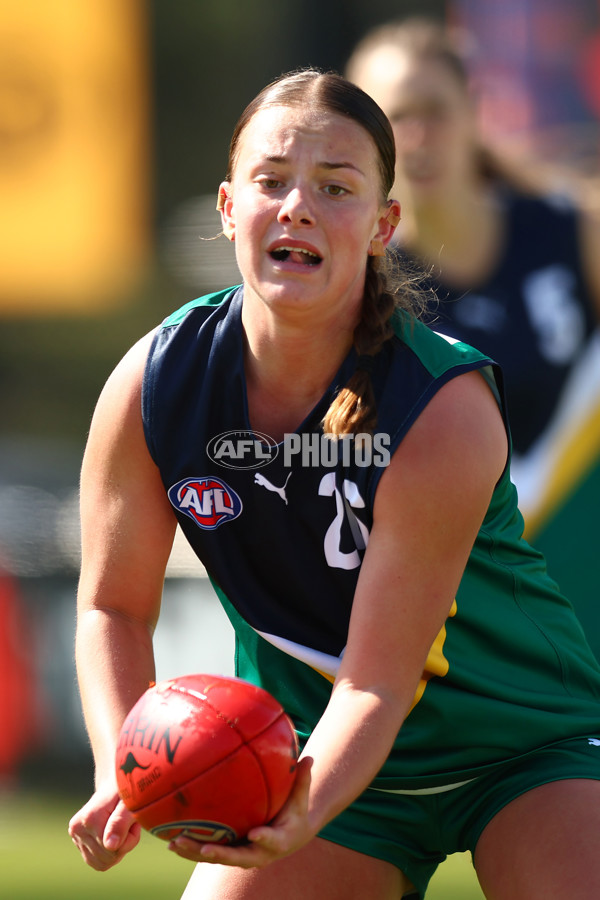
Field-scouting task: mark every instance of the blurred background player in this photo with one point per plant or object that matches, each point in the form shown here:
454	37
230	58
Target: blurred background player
514	262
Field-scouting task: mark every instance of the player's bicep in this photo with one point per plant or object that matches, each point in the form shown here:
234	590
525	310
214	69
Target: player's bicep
127	524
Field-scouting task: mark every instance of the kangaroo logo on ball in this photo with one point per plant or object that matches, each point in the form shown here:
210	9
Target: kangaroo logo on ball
130	763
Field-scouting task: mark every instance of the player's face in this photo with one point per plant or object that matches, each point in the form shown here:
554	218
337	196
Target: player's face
304	202
433	122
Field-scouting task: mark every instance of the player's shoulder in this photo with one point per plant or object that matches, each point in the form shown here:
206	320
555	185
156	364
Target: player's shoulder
434	349
205	304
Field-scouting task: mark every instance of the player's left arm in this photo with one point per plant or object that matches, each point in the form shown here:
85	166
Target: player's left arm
429	506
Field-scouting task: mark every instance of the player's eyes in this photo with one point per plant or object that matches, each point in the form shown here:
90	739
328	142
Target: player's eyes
269	183
335	190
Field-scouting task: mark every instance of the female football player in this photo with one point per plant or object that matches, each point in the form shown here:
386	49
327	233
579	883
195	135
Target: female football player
440	684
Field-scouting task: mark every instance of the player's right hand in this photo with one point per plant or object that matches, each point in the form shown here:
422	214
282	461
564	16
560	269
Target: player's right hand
104	831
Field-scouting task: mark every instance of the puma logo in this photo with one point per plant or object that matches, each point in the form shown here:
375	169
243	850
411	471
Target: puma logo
264	482
594	742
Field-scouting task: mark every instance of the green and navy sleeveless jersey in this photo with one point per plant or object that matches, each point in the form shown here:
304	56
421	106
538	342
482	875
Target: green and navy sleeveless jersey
282	533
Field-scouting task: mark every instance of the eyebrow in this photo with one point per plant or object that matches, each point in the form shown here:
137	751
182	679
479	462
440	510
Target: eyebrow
329	166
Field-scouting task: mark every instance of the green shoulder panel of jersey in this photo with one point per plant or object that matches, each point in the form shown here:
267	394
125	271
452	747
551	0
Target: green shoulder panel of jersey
215	299
437	351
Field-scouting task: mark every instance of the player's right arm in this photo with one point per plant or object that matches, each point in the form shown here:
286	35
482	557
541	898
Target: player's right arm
127	530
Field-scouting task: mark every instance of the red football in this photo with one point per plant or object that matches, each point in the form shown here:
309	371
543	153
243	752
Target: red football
206	755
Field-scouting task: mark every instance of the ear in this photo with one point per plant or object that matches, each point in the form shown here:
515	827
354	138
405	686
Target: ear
225	207
386	225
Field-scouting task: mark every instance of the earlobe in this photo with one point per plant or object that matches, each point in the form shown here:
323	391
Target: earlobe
376	247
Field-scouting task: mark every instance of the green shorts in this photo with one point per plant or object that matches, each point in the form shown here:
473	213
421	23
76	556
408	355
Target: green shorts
416	832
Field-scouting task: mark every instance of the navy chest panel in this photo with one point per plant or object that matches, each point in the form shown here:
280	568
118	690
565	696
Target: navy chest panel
279	542
277	538
283	537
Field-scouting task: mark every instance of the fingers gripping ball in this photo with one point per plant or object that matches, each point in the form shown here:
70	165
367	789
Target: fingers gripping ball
206	755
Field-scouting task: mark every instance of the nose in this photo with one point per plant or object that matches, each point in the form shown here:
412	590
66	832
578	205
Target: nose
296	208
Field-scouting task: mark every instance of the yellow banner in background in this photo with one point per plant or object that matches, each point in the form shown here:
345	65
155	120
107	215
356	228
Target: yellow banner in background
74	153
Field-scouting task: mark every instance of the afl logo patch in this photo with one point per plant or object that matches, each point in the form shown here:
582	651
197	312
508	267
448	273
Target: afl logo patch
206	500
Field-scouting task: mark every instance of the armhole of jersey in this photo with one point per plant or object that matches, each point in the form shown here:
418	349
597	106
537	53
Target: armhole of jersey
210	302
491	374
488	374
148	397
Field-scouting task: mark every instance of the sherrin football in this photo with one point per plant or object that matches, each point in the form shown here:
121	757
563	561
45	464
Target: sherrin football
205	755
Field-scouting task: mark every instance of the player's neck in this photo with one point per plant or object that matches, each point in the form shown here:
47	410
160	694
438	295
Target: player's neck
284	383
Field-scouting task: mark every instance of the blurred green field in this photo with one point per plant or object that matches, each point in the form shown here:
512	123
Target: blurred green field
37	859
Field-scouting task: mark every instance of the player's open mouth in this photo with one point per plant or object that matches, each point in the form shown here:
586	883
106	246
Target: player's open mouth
295	255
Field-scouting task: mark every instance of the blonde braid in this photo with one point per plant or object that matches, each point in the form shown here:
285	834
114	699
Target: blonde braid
353	411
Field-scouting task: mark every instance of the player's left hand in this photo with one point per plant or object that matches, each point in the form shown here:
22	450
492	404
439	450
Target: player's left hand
289	831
